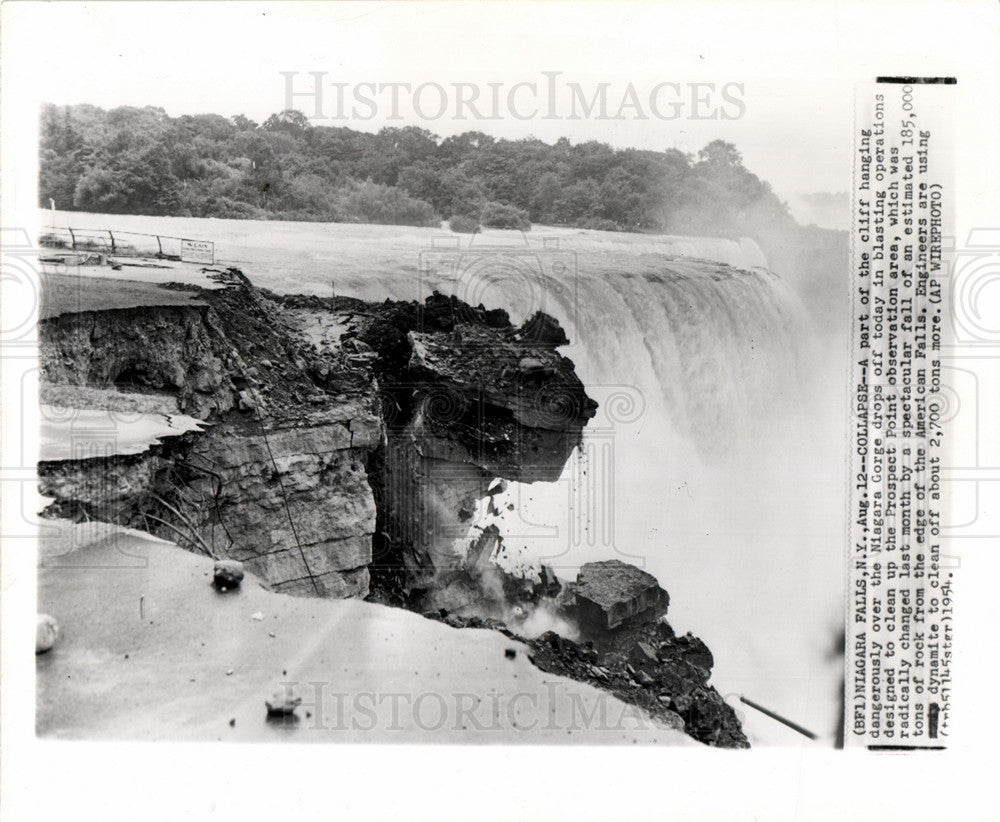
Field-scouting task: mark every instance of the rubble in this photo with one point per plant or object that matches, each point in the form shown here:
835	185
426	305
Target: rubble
690	651
667	691
637	657
644	679
643	657
612	592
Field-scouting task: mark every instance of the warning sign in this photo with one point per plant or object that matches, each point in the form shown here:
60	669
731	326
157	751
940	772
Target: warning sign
198	251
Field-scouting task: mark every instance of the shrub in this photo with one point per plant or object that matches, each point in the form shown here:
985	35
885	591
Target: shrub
385	205
464	224
499	215
230	209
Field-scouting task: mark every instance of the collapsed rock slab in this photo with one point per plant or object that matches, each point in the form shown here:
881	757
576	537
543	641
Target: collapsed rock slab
480	551
612	592
548	582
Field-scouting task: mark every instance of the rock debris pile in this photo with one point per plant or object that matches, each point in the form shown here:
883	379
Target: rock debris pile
625	646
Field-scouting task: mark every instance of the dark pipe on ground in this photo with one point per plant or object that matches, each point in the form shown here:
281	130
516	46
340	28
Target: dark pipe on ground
779	718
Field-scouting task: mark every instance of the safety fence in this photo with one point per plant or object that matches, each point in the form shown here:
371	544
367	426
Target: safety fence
129	244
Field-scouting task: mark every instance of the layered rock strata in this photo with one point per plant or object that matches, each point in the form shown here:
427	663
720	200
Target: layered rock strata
320	412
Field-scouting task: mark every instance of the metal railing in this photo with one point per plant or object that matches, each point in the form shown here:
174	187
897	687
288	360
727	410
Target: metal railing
128	244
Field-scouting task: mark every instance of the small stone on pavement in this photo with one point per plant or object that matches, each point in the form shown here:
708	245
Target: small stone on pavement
228	573
46	633
284	700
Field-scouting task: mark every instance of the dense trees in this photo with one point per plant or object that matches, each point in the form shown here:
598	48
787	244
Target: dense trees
140	161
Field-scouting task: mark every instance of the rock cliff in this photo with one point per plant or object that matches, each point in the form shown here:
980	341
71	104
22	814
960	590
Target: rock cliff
331	422
345	449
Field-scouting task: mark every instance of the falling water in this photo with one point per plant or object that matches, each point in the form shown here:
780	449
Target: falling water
714	460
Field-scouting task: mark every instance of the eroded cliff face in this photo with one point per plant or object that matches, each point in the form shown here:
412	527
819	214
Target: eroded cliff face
347	446
467	398
335	425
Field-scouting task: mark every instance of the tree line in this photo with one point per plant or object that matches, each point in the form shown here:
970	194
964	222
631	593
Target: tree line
141	161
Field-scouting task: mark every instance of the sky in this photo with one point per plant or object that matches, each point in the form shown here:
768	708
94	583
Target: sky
792	67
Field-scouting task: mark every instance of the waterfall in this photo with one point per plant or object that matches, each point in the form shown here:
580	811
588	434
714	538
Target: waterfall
715	460
710	462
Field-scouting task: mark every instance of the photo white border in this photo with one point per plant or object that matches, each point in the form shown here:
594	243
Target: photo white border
47	779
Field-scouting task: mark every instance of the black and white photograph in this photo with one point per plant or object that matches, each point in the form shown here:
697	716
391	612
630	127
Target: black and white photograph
552	405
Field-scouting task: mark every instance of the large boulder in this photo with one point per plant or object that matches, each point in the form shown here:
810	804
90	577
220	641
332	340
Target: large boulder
611	593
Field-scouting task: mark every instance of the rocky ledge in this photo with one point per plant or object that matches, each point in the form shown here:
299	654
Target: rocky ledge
346	446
